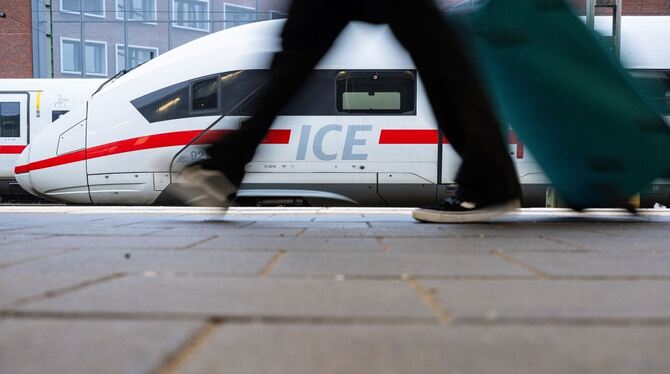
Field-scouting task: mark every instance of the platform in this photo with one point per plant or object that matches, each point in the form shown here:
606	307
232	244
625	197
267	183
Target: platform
169	290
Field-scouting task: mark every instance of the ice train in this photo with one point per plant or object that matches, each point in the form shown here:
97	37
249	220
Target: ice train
361	132
27	106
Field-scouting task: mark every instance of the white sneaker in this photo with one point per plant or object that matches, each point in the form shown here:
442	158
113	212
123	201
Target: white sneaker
455	210
198	186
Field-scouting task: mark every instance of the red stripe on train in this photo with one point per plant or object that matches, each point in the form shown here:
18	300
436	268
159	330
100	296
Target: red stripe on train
388	136
141	143
11	149
423	136
409	136
513	139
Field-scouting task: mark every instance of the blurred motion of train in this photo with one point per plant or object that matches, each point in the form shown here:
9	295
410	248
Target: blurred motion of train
27	106
361	132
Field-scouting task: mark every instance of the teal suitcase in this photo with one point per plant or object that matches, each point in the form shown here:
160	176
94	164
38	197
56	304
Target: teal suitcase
594	133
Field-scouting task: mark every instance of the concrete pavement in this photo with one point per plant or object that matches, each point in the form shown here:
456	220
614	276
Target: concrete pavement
172	290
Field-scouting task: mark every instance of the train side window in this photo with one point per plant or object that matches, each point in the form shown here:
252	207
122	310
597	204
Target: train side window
56	114
240	91
656	84
10	120
205	94
368	92
316	96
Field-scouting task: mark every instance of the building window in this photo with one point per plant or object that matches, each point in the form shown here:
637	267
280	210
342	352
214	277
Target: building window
136	56
95	55
136	10
94	8
237	15
10	120
191	14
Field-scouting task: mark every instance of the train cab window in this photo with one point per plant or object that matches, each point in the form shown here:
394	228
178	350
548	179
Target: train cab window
56	114
10	120
205	94
166	104
368	92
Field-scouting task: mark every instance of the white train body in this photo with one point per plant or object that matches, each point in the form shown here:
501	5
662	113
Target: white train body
126	143
27	106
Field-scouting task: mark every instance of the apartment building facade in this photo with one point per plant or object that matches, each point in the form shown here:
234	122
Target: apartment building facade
16	59
120	34
124	33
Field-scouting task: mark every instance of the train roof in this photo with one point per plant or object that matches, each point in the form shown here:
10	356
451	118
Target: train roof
360	46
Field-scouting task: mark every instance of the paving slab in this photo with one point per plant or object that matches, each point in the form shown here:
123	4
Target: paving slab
242	297
226	231
297	349
11	238
21	253
405	230
16	287
554	299
475	244
87	230
46	218
99	261
290	243
638	230
129	289
271	223
501	229
394	264
622	243
66	346
418	349
112	242
621	264
608	216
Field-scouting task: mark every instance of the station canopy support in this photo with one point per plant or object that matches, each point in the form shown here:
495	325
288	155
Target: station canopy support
614	39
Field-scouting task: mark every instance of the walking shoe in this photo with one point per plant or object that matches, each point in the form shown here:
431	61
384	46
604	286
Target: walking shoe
200	186
455	210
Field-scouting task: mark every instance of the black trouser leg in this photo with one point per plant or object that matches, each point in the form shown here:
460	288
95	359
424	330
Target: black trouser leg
461	106
309	32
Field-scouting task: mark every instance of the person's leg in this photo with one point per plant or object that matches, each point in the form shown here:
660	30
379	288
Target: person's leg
310	30
463	111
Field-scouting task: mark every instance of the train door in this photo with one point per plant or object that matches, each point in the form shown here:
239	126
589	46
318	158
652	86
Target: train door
14	123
